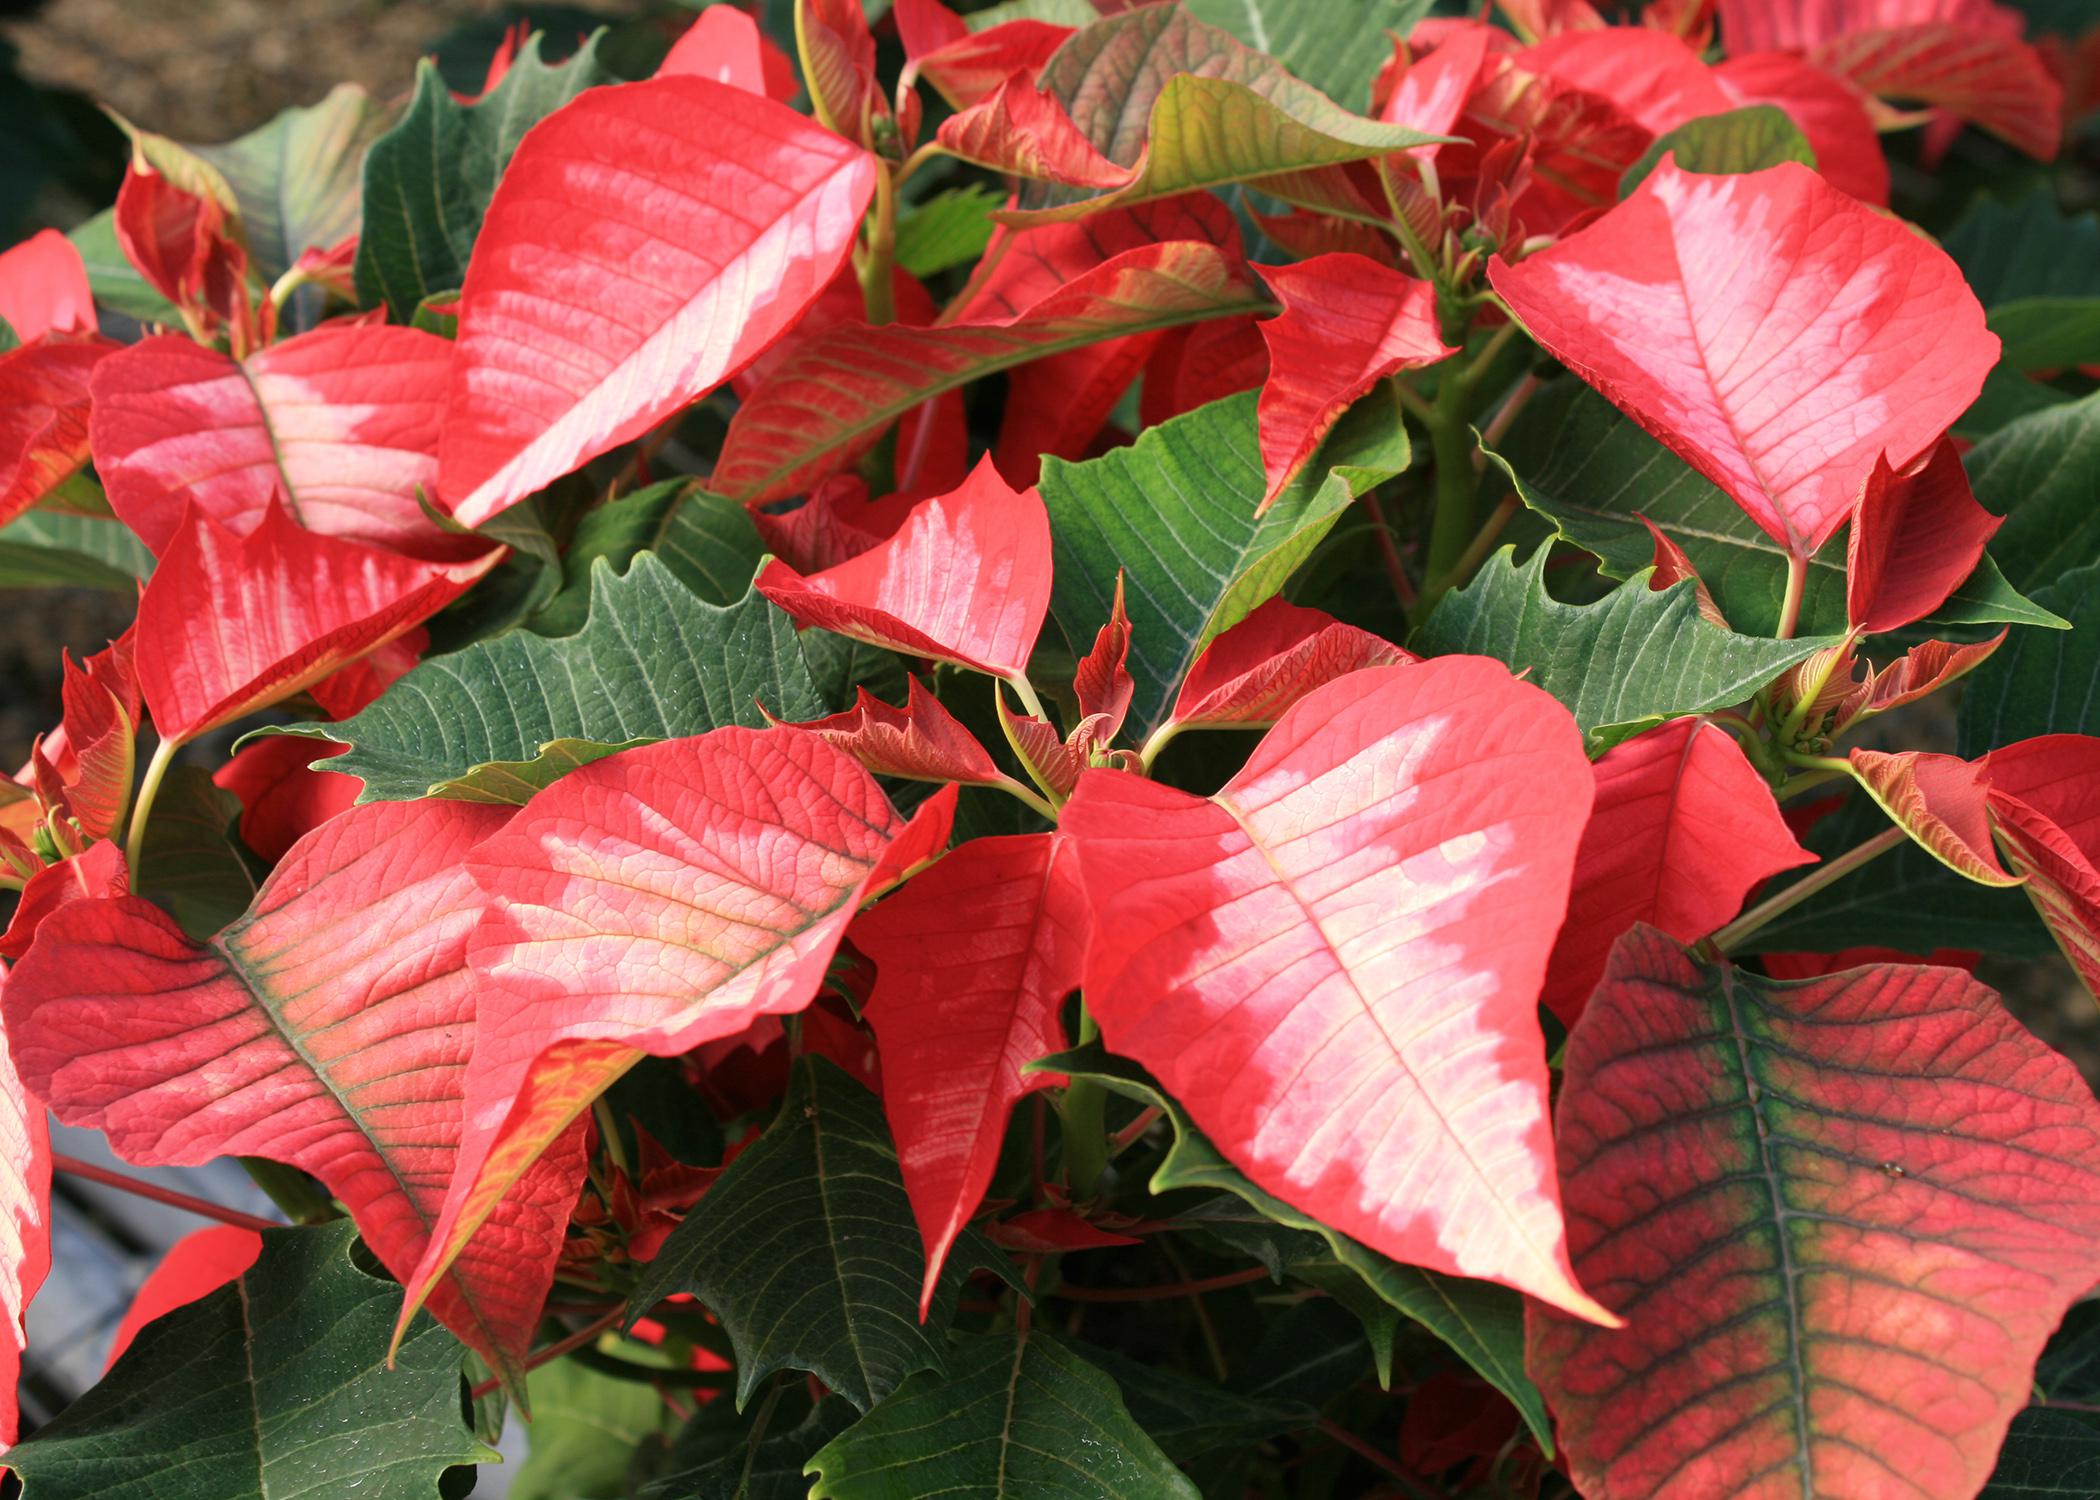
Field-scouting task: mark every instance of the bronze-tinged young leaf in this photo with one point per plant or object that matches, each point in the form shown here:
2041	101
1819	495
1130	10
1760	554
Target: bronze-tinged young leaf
275	1386
581	328
1185	105
328	1028
835	393
655	900
1631	659
1840	1218
1939	800
804	1249
1012	1417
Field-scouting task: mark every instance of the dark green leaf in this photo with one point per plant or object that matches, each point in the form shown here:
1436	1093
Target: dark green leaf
585	1428
652	662
1175	512
1633	658
1592	473
428	181
192	865
806	1250
2048	1453
274	1386
713	1458
1189	1417
707	541
2040	681
2041	473
1904	899
1338	49
1012	1420
47	549
2026	248
2007	396
949	229
1311	1353
1482	1323
1738	140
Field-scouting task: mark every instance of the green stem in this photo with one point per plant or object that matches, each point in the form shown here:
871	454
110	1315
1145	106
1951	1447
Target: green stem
1451	524
1084	1118
1761	915
875	264
1482	544
149	788
1796	587
1159	740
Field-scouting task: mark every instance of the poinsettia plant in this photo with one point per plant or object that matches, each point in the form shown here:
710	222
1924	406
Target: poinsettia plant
1083	750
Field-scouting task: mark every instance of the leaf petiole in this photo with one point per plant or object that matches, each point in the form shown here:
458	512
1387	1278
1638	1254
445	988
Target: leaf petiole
149	788
1761	915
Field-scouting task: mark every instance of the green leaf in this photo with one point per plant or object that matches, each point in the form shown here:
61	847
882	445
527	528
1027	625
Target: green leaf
2036	270
1338	49
296	180
2047	1454
652	662
806	1250
2041	473
713	1458
1635	657
1592	473
192	864
1012	1420
1482	1323
947	230
2007	396
2040	682
585	1428
708	542
276	1385
1904	899
1187	1417
2047	333
1737	140
111	278
428	181
1073	13
48	549
1192	107
1175	512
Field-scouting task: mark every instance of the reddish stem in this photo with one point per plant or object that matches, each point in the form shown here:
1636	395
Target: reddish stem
557	1349
89	1172
1171	1289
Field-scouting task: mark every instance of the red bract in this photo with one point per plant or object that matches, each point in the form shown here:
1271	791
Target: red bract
307	604
836	522
1020	129
340	424
328	1028
727	46
25	1221
1334	964
44	406
1249	676
965	579
1829	112
1939	800
650	902
1963	56
1916	537
920	742
1683	829
1653	76
282	800
1794	1192
837	393
973	960
1347	323
2045	805
1431	94
44	288
184	240
195	1266
1775	333
95	872
580	328
964	65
